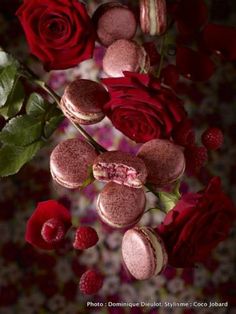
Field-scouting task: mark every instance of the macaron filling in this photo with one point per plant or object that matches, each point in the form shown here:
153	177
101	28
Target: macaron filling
152	17
69	109
118	173
158	249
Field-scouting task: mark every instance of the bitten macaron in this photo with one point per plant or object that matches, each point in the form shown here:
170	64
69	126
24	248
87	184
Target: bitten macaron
71	162
114	21
120	167
120	206
153	16
143	252
125	55
165	161
82	101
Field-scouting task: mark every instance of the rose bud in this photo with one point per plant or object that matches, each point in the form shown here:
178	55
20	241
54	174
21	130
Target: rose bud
48	225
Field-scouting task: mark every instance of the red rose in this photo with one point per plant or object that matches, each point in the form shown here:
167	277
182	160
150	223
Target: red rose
59	32
48	225
197	223
141	108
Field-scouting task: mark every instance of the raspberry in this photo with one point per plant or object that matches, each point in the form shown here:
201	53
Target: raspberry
53	230
85	237
212	138
90	282
183	134
196	157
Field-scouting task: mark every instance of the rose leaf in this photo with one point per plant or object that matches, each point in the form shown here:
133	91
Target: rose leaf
21	131
12	158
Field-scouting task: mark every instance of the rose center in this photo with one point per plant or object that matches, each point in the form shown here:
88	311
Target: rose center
53	230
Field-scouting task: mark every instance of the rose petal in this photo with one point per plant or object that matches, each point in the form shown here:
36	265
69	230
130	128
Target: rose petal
194	65
45	211
221	40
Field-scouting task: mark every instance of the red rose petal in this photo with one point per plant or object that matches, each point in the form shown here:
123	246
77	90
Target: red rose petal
194	65
221	40
190	15
44	212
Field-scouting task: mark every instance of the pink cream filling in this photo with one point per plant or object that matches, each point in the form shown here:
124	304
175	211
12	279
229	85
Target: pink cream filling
118	173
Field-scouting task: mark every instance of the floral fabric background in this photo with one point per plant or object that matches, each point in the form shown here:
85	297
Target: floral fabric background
32	281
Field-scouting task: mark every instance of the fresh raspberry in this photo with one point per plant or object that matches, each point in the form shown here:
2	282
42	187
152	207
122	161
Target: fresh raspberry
90	282
85	237
183	134
196	157
53	230
212	138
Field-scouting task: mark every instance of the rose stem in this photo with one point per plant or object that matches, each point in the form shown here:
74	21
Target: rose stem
57	98
162	52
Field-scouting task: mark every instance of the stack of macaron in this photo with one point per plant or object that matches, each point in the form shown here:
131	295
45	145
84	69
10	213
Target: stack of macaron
116	26
121	203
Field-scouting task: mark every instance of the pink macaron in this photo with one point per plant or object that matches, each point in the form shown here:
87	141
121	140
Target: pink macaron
153	16
120	167
82	101
120	206
114	21
125	55
71	162
164	161
143	252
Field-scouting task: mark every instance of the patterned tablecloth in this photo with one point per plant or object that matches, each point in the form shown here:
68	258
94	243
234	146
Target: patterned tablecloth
32	281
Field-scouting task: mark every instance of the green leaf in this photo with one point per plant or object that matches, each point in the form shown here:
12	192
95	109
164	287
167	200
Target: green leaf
14	101
7	79
52	124
168	200
51	115
21	131
36	105
12	158
7	59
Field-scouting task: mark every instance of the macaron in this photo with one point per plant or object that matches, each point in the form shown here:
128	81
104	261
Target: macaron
82	101
153	16
121	168
114	21
120	206
125	55
164	161
143	252
71	162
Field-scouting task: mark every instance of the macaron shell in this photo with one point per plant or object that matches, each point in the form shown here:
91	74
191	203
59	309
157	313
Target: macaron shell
164	161
121	166
153	16
143	252
82	101
138	255
120	206
114	21
70	162
125	55
158	246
